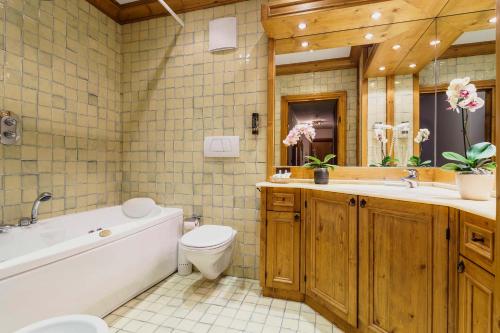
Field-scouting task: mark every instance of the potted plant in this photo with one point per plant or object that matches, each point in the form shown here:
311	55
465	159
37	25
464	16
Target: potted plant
416	161
474	169
296	134
380	136
321	174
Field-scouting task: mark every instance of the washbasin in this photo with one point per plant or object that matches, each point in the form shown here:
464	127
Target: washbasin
68	324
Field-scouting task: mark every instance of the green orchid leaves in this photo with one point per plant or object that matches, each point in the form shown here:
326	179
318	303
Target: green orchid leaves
478	160
316	163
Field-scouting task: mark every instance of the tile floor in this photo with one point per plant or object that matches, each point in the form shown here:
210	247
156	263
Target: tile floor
230	304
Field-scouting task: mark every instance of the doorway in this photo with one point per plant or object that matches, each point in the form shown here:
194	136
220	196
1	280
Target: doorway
326	112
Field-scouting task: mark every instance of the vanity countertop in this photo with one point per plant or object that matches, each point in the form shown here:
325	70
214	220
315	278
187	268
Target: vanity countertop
428	193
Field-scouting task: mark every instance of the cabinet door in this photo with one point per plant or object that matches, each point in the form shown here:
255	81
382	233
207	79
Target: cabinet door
283	250
403	266
475	299
331	253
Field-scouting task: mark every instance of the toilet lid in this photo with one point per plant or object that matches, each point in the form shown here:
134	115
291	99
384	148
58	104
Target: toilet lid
207	236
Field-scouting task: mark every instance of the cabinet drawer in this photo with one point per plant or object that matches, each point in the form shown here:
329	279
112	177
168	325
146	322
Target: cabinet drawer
283	199
477	239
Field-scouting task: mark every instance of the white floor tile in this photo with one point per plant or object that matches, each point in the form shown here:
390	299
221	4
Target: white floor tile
183	304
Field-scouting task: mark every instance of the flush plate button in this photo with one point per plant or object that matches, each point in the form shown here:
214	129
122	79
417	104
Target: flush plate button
10	129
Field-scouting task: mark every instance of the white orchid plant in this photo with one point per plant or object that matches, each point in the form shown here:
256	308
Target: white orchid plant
380	130
416	161
298	132
463	98
478	158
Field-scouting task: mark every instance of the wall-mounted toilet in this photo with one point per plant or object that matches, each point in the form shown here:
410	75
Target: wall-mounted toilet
209	248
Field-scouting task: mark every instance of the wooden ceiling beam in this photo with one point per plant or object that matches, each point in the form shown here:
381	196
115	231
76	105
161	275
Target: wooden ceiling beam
469	50
446	30
277	8
455	7
353	37
316	66
353	15
383	55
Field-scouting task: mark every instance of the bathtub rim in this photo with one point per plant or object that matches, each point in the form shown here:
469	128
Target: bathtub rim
72	247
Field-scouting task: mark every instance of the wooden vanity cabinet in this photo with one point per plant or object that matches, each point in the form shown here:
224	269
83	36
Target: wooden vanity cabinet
403	266
280	243
475	278
332	253
374	265
475	306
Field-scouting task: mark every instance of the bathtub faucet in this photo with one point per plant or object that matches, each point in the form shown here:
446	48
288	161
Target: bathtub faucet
25	221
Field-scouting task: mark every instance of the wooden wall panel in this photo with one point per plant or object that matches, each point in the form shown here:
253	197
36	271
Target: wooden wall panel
147	9
496	295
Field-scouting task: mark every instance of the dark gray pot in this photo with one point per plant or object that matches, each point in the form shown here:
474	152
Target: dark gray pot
321	176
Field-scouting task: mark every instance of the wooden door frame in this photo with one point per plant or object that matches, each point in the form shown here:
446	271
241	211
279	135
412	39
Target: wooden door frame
341	97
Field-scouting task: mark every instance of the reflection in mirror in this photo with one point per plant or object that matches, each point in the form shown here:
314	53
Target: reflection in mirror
467	51
394	77
319	89
393	103
321	113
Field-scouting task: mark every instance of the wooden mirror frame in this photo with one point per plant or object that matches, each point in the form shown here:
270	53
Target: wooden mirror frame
496	293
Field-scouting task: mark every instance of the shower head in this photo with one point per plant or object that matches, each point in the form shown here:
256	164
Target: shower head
45	196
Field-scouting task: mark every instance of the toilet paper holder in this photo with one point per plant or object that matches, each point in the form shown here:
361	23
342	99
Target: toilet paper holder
191	222
193	218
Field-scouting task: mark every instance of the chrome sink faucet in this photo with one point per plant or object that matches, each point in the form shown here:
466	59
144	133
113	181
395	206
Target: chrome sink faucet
25	221
411	179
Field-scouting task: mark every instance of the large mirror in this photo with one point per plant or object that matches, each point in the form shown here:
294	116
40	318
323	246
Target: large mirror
380	99
317	89
468	51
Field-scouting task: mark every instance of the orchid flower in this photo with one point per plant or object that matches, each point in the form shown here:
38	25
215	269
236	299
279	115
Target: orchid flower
422	135
299	130
463	98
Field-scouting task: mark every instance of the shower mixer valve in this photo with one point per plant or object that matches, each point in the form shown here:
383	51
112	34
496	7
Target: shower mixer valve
10	128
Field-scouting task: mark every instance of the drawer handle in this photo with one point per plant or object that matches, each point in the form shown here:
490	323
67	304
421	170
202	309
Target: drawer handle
477	238
461	266
297	217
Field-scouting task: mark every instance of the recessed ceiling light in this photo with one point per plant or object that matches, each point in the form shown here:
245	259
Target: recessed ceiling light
381	68
305	44
397	82
302	26
311	50
493	20
413	65
376	15
435	42
369	36
396	47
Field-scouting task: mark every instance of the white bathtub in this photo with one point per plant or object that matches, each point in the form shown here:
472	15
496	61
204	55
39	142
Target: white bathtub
56	267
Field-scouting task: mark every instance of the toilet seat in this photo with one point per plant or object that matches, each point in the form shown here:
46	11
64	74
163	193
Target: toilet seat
208	237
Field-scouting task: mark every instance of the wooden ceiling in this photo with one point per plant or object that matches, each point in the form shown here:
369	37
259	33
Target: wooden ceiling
148	9
412	24
351	61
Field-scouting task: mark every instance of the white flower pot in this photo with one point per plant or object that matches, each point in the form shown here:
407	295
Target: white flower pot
475	187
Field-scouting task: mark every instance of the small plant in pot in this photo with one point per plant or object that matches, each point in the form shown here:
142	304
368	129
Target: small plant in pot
474	169
321	174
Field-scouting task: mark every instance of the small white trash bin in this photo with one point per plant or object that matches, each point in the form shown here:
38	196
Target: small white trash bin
184	267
